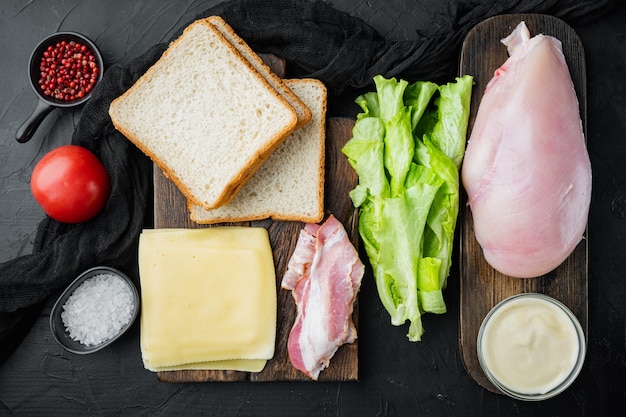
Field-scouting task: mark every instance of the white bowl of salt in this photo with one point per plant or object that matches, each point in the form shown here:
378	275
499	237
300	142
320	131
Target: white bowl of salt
95	310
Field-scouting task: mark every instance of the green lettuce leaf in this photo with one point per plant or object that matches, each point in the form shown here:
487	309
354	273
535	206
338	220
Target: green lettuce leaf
365	152
452	115
441	223
417	96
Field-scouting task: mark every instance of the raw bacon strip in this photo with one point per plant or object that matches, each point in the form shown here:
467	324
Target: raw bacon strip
324	275
302	256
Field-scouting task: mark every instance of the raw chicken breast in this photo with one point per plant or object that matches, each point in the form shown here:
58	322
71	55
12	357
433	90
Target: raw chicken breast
526	169
324	274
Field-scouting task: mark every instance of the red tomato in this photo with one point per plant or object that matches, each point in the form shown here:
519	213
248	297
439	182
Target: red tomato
70	184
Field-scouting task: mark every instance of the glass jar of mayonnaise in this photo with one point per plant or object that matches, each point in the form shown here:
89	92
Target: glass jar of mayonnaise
531	346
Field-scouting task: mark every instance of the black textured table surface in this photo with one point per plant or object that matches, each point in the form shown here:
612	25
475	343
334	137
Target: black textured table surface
397	377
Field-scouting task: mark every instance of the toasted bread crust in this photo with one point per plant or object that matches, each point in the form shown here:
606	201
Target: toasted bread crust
251	165
222	215
302	111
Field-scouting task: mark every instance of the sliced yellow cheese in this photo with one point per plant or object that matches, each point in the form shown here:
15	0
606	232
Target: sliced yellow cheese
247	365
207	295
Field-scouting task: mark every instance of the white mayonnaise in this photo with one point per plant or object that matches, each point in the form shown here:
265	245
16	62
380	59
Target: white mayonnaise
531	346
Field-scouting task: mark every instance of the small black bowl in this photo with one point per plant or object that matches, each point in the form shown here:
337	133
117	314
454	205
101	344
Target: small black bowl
46	104
62	336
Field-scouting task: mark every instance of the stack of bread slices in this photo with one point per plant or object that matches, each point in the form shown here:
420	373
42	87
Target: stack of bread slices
238	141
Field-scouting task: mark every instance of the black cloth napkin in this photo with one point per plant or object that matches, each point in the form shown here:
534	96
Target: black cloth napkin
316	40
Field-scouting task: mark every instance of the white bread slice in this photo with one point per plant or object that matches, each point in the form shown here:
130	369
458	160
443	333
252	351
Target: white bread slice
302	111
204	115
290	185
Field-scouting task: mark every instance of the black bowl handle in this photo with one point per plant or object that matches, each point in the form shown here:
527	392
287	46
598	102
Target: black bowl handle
28	128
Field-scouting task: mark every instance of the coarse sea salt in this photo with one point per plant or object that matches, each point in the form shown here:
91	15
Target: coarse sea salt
98	309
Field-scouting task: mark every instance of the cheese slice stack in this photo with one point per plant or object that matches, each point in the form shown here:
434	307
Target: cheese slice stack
208	299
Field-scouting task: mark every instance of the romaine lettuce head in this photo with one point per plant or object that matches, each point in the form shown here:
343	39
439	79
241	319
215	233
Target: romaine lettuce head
406	148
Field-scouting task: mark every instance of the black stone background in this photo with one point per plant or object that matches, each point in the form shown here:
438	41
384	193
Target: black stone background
397	378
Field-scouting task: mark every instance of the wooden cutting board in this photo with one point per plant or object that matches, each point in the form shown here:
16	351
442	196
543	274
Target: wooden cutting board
481	287
170	211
